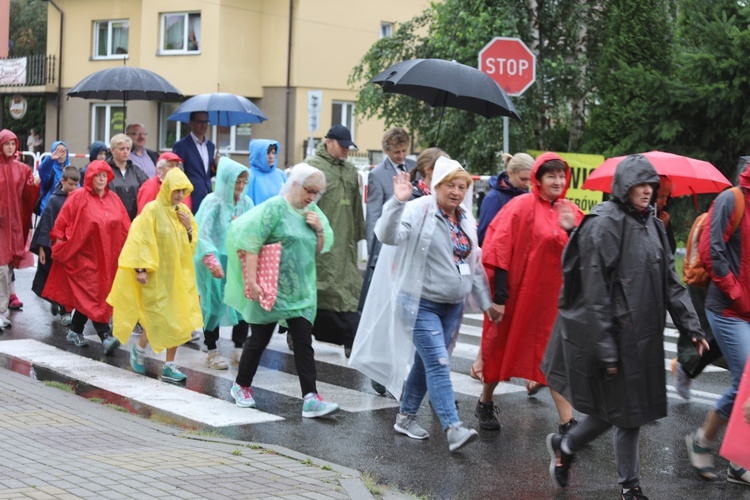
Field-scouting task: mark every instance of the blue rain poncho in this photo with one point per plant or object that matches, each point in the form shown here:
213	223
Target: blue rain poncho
217	210
265	181
50	173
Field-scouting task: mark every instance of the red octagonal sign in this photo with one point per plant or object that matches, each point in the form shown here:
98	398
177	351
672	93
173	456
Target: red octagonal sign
510	63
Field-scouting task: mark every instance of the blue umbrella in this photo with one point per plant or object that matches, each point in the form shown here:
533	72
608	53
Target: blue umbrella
224	110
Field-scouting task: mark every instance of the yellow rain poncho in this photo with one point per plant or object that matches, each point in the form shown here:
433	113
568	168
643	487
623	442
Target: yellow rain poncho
167	306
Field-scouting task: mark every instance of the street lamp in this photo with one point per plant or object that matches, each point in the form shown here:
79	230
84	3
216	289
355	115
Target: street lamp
59	66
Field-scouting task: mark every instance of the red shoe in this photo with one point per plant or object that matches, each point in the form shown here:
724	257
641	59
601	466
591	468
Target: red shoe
14	303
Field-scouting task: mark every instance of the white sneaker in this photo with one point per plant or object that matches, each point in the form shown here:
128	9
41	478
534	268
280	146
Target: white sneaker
459	436
215	362
4	322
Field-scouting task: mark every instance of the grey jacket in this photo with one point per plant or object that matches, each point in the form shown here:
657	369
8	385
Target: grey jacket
379	190
442	281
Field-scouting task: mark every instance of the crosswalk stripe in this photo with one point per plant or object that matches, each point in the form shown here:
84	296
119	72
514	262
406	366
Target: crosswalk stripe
190	405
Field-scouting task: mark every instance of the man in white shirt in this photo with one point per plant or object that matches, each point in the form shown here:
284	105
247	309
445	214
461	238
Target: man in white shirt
140	155
197	154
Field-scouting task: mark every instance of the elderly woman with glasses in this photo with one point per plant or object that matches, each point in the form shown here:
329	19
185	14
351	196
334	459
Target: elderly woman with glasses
293	219
428	267
217	211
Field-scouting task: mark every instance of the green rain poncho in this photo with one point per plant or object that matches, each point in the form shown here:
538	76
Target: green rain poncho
276	220
339	279
217	210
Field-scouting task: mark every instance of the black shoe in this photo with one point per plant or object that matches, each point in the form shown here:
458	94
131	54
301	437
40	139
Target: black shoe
559	464
633	494
379	388
563	429
347	352
485	413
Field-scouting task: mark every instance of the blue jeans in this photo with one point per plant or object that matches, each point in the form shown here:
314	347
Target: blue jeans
733	337
433	330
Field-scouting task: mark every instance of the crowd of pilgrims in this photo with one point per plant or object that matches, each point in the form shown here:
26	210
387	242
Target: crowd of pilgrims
138	257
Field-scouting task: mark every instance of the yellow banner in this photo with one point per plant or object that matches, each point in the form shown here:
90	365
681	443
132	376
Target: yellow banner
580	167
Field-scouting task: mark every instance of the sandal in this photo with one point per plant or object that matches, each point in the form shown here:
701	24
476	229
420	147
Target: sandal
475	374
533	387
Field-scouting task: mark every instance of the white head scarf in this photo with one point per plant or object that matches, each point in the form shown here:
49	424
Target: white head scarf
443	167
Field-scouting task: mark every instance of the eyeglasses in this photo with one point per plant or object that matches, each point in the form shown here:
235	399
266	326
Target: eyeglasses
241	182
143	134
201	122
311	192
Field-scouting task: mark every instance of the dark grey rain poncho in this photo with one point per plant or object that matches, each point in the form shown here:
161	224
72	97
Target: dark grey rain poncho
619	281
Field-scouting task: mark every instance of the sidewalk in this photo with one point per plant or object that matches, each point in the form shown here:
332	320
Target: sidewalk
54	444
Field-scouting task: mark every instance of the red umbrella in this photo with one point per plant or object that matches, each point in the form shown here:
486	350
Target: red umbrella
688	175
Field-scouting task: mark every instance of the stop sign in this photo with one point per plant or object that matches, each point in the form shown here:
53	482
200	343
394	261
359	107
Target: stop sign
510	63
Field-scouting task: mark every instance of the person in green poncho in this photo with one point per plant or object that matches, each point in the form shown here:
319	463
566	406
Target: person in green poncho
339	280
293	219
217	210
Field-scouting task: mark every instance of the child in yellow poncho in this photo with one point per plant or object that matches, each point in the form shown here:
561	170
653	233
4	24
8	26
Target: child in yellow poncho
155	281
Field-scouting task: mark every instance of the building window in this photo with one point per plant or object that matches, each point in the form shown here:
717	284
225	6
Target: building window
111	39
180	33
228	139
386	29
343	114
106	121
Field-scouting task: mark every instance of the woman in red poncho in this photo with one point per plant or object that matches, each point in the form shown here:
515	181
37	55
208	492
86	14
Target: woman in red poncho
18	194
522	252
88	236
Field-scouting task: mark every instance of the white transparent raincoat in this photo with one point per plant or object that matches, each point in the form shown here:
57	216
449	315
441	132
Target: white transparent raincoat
383	348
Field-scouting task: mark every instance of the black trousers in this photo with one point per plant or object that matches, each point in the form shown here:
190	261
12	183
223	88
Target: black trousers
304	357
239	334
79	321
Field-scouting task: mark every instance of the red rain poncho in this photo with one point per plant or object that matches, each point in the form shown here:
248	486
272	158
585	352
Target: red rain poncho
88	234
526	240
18	195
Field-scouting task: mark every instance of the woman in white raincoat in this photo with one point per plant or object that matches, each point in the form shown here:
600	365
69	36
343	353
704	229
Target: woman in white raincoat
429	265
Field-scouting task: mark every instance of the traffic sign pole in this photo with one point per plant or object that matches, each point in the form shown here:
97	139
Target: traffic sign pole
512	65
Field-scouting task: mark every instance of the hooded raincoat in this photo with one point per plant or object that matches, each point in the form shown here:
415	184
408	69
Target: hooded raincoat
274	221
501	192
339	279
526	240
94	150
18	195
88	235
265	181
42	238
217	210
619	281
383	348
50	173
167	306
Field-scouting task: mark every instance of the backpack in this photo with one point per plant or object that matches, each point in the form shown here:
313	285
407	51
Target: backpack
694	270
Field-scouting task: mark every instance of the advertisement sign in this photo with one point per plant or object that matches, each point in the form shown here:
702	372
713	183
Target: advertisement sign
13	71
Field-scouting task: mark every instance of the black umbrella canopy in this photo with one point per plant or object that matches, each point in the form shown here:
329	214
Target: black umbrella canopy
442	83
125	83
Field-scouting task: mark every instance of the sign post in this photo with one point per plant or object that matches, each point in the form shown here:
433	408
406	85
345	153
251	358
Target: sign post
314	102
512	65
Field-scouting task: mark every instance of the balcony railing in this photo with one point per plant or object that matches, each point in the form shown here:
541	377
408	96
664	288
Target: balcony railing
27	71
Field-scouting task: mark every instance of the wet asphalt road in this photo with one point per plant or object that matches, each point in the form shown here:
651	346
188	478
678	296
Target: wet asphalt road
512	463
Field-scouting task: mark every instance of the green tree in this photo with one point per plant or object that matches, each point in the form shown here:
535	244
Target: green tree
560	32
28	27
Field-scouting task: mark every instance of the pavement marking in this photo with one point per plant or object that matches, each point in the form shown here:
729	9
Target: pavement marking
174	399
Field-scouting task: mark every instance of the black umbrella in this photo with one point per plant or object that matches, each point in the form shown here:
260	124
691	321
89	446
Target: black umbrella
125	83
442	83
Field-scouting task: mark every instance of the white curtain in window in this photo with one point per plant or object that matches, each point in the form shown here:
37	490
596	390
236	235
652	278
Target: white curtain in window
174	32
194	32
120	37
